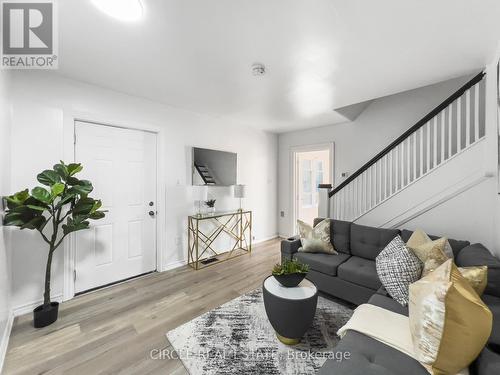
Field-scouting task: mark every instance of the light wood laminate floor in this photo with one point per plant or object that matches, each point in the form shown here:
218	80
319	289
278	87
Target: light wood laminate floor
113	330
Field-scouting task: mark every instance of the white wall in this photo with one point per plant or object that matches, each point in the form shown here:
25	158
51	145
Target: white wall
356	142
5	305
44	106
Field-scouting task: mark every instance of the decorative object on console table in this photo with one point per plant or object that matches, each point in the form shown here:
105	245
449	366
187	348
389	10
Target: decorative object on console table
290	273
239	192
211	205
290	310
237	225
200	194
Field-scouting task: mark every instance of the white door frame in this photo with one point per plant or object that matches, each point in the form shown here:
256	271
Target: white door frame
69	248
293	173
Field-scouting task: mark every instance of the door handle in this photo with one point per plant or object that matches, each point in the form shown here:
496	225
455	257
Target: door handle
152	213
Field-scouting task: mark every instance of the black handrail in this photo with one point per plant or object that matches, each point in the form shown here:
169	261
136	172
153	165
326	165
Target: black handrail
410	131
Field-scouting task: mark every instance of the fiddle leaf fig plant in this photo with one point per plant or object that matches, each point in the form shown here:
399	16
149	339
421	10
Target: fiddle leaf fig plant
57	208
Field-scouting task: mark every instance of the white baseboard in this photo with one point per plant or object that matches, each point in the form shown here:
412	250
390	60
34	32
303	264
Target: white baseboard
4	344
172	265
256	242
28	307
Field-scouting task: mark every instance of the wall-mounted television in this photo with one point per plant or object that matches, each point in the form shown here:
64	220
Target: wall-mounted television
213	167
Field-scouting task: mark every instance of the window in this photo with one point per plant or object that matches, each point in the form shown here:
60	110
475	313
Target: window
307	179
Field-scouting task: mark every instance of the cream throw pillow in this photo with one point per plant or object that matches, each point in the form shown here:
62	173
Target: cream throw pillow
449	322
317	239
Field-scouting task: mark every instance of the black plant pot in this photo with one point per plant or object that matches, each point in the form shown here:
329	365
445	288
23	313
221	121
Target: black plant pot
291	280
45	316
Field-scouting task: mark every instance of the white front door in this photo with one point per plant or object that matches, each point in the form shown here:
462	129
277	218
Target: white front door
121	163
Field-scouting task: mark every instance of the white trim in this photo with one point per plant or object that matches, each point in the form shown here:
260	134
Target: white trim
175	264
4	344
30	306
70	117
438	199
421	177
305	148
265	239
182	263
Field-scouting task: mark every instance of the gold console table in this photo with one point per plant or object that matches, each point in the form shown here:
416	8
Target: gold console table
201	249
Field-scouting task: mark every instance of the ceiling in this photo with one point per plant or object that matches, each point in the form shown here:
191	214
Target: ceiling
320	55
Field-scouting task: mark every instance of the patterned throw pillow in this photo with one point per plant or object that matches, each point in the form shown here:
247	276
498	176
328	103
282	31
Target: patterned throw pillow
449	322
397	268
317	239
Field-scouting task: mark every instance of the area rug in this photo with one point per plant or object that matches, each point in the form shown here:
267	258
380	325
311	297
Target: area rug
237	338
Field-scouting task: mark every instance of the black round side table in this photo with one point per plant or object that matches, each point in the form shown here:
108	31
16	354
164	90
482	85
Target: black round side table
290	310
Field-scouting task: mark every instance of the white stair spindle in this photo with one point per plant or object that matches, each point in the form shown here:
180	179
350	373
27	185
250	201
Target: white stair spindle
428	146
414	135
450	130
421	139
459	124
408	160
434	142
443	135
476	112
467	118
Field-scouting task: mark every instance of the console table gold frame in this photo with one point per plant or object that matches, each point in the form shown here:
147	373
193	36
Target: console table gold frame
236	224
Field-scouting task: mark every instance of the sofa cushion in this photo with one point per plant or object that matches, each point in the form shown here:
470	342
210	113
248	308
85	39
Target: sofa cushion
493	304
340	232
487	363
370	357
478	255
368	242
388	303
360	271
324	263
456	245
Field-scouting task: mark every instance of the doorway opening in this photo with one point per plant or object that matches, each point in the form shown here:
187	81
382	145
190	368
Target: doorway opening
312	165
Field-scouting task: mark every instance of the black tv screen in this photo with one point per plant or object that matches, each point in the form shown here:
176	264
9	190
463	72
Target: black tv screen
213	167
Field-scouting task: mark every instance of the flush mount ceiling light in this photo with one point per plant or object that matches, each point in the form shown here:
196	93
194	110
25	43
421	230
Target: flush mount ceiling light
124	10
258	69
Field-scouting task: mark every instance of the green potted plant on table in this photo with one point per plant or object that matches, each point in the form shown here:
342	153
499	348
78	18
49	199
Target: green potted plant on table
56	209
290	273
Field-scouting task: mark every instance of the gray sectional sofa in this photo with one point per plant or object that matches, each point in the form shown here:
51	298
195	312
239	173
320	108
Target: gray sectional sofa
351	275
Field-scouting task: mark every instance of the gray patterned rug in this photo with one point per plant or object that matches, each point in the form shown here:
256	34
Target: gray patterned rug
237	338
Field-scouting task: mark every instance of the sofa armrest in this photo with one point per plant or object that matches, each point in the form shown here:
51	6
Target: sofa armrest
478	255
289	246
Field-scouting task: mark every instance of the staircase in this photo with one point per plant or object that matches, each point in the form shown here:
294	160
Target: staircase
434	160
205	174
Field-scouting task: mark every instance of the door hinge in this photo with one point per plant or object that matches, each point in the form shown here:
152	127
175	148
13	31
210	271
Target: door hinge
74	275
74	138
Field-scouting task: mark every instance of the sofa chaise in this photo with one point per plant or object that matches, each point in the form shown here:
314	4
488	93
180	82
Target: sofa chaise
351	275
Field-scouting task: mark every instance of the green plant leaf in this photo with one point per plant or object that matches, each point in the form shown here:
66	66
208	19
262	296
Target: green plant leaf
13	219
66	198
74	168
84	187
34	223
74	226
48	177
96	206
17	199
61	170
97	215
37	208
57	189
41	194
83	206
72	181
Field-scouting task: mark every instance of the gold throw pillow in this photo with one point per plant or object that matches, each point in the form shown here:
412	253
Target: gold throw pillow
317	239
477	276
449	322
419	237
431	254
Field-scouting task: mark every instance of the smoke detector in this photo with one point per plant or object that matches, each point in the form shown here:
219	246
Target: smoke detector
258	69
